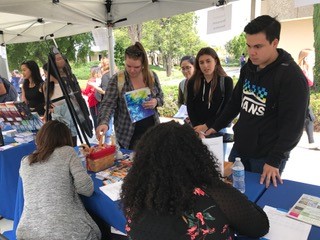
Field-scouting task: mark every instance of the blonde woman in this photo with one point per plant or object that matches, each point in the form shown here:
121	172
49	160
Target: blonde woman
306	61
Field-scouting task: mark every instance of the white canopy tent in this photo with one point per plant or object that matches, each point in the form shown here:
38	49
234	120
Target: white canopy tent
36	20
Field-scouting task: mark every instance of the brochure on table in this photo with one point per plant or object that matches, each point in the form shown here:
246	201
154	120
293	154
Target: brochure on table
17	116
306	209
134	100
282	227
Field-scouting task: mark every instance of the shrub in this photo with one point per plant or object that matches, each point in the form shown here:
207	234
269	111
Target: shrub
170	106
315	104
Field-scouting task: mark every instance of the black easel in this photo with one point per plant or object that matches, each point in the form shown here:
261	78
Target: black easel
72	95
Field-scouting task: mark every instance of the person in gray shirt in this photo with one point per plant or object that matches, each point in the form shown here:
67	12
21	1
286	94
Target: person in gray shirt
52	178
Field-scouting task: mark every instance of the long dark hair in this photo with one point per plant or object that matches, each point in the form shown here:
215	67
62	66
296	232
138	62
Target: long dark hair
52	134
35	74
198	74
135	52
190	59
169	163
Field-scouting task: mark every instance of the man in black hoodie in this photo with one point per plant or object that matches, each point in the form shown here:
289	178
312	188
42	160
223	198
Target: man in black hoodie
271	97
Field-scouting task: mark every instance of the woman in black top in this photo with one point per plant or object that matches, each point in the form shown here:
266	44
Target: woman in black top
173	191
207	96
32	87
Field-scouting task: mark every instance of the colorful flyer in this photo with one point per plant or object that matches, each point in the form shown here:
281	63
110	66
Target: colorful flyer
134	100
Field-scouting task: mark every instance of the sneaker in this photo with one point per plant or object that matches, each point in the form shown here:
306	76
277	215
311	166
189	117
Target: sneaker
314	146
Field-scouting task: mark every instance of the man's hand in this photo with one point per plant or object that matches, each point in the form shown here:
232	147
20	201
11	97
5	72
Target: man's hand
270	174
201	128
210	131
101	131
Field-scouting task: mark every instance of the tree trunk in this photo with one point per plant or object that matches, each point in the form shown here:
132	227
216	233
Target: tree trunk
168	64
135	33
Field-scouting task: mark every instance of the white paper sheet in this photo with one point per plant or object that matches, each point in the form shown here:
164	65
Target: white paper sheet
112	190
182	112
215	145
282	227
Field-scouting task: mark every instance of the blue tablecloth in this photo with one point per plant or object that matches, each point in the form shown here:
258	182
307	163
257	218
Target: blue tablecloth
110	212
9	173
254	189
286	195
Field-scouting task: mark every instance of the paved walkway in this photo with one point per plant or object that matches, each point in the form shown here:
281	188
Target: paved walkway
304	163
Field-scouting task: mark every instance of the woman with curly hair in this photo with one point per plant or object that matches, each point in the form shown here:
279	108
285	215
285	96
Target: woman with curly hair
174	191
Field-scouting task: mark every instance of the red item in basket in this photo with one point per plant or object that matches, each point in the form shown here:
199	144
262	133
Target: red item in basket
99	152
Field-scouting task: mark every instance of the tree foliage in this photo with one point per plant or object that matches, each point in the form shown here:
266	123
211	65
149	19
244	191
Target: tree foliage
172	37
236	46
76	48
122	41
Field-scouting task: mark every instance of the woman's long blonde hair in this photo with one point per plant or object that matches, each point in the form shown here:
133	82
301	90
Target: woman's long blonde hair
304	53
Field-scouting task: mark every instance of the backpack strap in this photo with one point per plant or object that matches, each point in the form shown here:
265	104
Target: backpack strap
6	84
223	90
120	82
182	85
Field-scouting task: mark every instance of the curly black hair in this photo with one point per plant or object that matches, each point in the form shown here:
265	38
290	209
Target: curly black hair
170	161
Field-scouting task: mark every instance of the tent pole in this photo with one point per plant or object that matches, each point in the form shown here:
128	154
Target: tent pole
4	68
111	50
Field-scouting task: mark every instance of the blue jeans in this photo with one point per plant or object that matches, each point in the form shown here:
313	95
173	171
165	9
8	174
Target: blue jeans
110	130
254	164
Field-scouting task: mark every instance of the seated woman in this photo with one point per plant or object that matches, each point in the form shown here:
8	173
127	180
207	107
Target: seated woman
52	178
184	197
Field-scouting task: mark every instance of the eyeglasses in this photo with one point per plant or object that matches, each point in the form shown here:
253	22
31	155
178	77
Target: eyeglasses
184	69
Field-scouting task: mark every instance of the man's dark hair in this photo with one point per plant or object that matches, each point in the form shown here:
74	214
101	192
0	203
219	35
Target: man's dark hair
265	24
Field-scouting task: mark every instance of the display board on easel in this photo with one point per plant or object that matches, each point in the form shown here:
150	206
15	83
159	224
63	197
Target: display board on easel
18	116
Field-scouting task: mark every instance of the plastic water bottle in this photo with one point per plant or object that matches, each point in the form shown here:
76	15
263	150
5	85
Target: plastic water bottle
238	175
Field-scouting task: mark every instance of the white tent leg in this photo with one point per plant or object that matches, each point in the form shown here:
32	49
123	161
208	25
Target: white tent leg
111	51
4	68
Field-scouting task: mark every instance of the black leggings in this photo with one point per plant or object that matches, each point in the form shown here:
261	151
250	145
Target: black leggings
308	124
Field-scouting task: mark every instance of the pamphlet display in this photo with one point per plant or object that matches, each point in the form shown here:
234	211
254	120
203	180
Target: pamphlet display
306	209
18	116
134	100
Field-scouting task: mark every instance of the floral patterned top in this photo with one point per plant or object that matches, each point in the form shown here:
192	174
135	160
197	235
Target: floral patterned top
209	219
202	223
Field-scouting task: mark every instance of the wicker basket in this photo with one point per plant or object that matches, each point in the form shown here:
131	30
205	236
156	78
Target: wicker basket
99	157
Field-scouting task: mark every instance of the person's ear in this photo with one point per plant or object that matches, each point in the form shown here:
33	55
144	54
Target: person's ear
275	42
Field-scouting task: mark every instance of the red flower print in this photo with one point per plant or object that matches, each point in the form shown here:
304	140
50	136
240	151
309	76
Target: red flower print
200	217
198	191
192	230
212	230
127	228
205	231
225	227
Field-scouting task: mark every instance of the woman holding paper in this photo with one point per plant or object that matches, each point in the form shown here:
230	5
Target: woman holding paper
209	90
184	196
135	76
